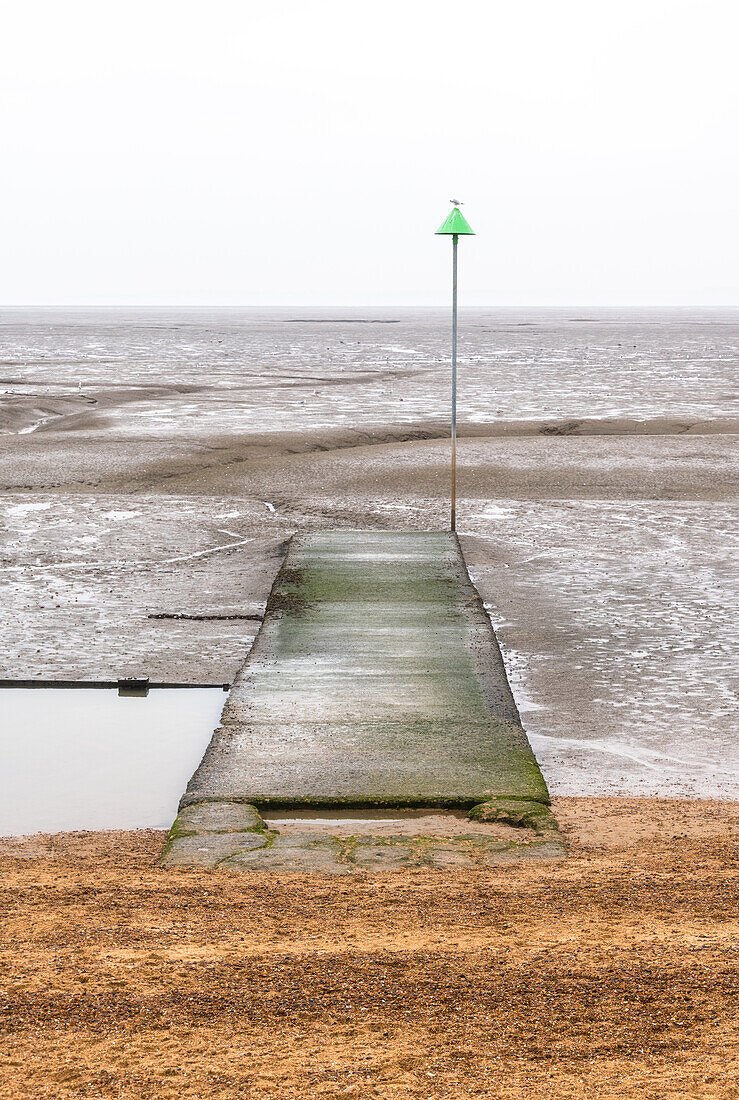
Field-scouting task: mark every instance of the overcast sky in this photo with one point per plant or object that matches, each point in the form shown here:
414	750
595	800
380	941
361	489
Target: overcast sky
294	152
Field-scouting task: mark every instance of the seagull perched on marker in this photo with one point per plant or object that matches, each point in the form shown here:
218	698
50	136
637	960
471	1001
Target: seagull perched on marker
456	202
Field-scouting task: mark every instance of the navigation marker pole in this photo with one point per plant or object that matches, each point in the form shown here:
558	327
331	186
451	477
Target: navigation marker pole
456	226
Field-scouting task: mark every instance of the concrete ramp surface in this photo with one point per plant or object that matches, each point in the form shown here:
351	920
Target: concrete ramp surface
375	680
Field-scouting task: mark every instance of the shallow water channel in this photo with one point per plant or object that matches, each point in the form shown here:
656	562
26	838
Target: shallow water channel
82	758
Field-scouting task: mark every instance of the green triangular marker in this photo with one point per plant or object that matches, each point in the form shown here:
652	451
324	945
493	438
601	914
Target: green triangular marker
456	223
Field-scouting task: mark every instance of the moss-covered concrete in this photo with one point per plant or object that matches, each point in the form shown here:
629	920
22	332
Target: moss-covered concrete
519	812
218	817
208	849
375	679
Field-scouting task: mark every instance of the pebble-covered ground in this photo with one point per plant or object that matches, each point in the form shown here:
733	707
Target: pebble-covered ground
614	973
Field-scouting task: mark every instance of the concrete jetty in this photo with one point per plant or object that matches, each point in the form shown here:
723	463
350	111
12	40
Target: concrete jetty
375	681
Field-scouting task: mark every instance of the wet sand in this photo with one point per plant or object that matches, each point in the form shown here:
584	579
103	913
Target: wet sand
611	974
607	562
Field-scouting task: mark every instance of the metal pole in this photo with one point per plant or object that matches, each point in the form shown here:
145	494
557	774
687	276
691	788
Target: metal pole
454	381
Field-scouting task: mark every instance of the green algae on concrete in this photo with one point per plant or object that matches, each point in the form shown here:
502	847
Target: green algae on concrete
520	813
375	679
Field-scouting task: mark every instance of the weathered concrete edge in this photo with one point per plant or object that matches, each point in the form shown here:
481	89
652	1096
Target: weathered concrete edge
474	608
493	679
273	610
227	829
433	802
508	809
213	847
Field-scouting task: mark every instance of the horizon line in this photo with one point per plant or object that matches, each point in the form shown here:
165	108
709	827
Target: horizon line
322	308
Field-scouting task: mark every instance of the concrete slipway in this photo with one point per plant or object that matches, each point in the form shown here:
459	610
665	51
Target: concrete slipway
375	681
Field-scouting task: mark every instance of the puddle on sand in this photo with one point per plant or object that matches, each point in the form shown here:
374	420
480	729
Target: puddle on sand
391	822
76	758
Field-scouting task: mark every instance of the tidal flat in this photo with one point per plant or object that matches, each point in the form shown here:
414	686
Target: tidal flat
154	464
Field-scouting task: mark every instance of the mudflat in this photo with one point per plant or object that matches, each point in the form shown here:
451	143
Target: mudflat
597	480
614	973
